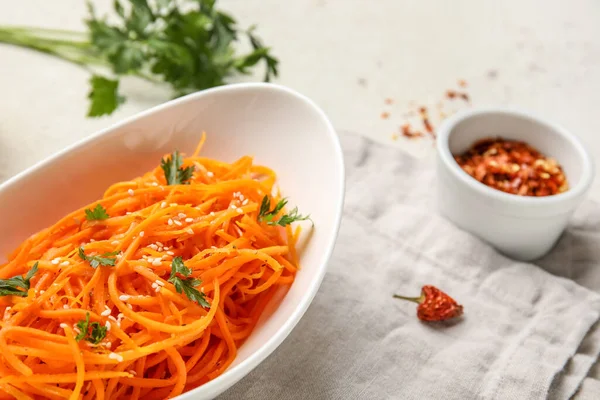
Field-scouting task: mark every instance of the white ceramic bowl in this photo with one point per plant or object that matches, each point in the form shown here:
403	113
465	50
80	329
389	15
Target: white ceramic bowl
524	228
279	127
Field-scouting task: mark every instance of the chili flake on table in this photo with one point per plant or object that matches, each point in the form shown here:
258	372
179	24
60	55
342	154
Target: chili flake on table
513	167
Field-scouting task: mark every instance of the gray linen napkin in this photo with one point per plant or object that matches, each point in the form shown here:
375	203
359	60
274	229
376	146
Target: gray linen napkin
522	325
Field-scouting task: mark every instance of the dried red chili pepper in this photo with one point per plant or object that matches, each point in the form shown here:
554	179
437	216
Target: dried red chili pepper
513	167
434	305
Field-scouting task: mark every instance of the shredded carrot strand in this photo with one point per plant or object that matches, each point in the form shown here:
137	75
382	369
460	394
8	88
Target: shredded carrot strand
158	343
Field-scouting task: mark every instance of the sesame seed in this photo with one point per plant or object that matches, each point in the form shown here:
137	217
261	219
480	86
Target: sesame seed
159	249
108	345
233	206
63	325
178	223
130	191
42	291
190	231
55	261
66	306
112	318
119	256
128	213
132	372
154	183
154	286
240	211
212	214
157	289
170	221
188	220
159	244
245	202
150	259
210	174
181	215
159	283
105	313
213	247
129	306
142	233
115	356
115	242
170	253
163	204
163	257
120	316
173	204
156	262
76	330
124	297
107	325
153	246
64	264
241	197
92	240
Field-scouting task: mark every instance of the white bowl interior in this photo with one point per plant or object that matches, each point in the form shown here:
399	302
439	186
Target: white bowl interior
549	140
280	128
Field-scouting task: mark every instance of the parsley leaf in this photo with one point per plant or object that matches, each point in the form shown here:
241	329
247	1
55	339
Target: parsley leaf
104	98
98	213
187	285
106	259
174	173
189	45
264	215
98	332
13	286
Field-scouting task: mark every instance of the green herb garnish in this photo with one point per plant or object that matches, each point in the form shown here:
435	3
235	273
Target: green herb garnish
174	173
98	213
95	335
264	215
106	259
187	285
13	286
189	45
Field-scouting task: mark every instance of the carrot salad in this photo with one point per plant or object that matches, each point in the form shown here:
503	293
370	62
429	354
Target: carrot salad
149	291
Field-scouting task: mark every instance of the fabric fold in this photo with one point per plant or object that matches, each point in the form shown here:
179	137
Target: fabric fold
522	325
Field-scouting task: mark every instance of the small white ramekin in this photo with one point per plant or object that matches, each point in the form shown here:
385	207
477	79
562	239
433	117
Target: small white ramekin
522	227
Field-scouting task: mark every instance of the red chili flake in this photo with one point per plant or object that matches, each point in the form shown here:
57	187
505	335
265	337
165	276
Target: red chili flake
409	133
513	167
434	305
389	101
452	94
385	115
462	83
426	123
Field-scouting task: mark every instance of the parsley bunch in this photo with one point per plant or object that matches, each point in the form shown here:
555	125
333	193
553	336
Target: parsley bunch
189	45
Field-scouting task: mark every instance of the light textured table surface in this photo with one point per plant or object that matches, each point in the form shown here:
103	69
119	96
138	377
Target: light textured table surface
348	55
